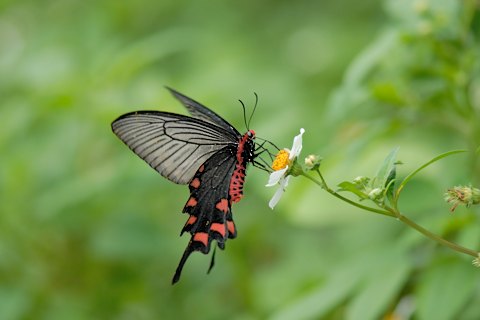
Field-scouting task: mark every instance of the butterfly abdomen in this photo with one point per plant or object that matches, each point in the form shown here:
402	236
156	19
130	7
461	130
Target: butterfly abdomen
203	151
243	156
236	184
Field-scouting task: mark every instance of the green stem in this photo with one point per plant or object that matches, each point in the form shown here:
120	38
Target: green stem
435	237
323	185
394	214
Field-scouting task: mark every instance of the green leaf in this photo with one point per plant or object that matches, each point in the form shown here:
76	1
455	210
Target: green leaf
411	175
445	289
376	296
387	171
319	302
390	183
349	186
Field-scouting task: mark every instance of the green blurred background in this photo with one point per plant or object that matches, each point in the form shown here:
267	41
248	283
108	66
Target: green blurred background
89	231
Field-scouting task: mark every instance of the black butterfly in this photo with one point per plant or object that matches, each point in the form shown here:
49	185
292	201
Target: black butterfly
205	152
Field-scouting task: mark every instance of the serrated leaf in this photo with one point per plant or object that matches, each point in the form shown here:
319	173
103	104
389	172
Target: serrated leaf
351	187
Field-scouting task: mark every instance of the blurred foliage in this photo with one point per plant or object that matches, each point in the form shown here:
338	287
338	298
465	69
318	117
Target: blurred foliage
89	231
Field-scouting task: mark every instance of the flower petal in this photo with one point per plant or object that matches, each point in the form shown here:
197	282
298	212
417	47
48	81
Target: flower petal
275	177
276	197
278	194
297	145
284	182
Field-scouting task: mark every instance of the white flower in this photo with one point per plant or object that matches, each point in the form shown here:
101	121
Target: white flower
281	163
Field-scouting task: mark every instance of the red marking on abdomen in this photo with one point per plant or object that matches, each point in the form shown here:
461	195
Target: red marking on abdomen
201	237
195	183
222	205
236	183
218	227
238	177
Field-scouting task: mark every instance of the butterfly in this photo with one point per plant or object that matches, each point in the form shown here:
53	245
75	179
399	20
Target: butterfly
205	152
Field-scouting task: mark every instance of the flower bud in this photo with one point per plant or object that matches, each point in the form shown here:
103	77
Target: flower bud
361	181
376	194
462	195
312	162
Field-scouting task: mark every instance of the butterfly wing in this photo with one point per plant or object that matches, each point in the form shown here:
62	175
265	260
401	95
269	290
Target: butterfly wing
203	151
199	111
174	145
209	206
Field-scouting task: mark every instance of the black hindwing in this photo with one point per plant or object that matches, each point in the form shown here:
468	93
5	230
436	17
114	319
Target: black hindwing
204	151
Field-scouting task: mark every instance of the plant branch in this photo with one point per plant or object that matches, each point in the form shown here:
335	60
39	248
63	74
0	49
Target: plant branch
394	213
323	185
436	237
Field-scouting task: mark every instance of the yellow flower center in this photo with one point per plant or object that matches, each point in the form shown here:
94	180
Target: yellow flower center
281	160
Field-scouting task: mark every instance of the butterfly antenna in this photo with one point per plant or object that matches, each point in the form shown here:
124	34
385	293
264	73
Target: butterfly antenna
254	108
244	114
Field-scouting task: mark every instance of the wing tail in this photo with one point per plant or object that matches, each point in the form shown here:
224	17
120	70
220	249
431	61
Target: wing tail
199	241
185	256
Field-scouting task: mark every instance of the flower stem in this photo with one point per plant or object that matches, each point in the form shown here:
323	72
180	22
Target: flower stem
394	213
436	237
323	185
